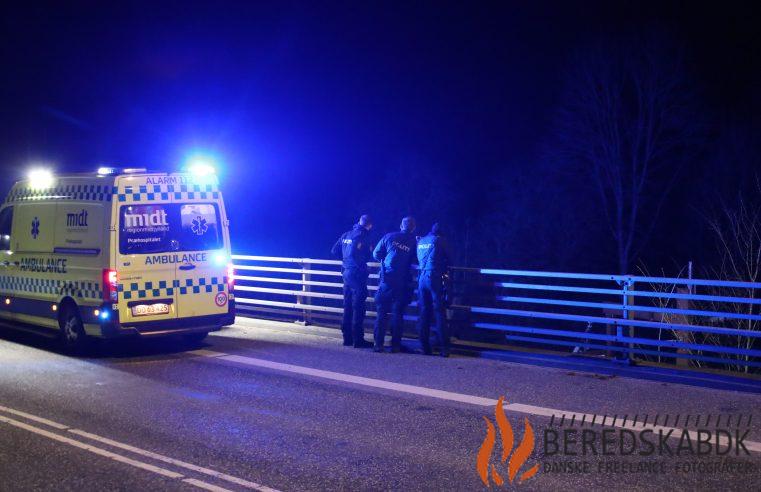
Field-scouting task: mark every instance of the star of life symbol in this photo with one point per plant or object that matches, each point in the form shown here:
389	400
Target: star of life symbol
199	226
35	228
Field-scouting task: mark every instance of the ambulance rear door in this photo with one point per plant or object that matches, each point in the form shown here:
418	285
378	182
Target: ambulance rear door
145	251
202	271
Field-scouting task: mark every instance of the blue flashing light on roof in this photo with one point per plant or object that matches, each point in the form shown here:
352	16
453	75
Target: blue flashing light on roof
202	168
201	165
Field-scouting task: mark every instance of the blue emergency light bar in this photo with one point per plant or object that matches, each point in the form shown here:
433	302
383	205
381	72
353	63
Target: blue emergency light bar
107	171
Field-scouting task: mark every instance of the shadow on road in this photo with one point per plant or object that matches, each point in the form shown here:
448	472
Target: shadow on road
105	349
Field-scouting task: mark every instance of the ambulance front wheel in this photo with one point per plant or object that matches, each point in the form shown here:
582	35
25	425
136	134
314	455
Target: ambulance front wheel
72	334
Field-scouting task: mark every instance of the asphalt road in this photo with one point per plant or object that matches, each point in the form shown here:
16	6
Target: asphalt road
262	406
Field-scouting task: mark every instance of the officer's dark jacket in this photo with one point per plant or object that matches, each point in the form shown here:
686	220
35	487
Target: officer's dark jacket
396	252
433	253
354	248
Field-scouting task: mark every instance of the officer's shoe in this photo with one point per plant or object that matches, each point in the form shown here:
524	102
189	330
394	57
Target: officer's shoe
444	354
395	349
348	343
377	348
363	344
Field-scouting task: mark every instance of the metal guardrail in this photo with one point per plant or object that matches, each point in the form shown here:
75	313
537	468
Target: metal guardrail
711	322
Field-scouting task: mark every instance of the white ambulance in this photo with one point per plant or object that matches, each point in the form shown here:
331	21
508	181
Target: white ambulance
116	252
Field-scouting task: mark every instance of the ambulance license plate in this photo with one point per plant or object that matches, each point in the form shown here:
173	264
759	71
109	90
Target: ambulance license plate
150	309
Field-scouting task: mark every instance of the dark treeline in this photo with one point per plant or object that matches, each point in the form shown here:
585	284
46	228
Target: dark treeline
635	166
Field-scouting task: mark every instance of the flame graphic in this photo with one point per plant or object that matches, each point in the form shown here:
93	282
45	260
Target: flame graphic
519	456
484	453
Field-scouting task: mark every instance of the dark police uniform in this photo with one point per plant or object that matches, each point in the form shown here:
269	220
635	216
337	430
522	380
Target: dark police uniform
396	253
434	258
355	249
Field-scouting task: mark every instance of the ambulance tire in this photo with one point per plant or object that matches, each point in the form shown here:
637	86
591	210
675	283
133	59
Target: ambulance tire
196	337
72	335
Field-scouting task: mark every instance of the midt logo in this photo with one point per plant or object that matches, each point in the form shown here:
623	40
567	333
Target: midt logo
518	456
157	218
77	219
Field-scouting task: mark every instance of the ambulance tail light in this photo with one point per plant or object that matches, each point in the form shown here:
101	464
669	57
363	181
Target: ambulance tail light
230	277
110	285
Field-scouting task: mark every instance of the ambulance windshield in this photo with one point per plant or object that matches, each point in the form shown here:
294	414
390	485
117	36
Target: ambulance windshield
160	228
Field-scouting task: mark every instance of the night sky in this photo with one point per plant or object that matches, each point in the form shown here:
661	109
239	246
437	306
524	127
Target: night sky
311	108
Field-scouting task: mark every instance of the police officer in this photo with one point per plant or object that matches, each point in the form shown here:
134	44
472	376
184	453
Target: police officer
355	249
396	253
434	258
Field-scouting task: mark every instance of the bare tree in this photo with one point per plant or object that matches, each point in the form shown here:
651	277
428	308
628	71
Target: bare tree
665	301
737	230
629	122
738	235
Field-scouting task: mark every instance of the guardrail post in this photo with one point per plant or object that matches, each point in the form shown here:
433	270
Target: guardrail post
626	313
305	287
630	314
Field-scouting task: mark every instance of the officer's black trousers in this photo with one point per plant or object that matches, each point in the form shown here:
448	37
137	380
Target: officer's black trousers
355	297
431	305
391	297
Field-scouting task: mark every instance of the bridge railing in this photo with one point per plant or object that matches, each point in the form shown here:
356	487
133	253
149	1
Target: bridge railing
712	323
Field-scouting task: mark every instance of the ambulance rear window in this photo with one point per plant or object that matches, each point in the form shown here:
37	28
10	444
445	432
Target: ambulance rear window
160	228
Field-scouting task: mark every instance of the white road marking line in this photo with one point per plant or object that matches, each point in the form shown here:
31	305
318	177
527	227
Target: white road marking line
204	485
441	394
35	418
127	447
206	353
172	461
92	449
337	376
